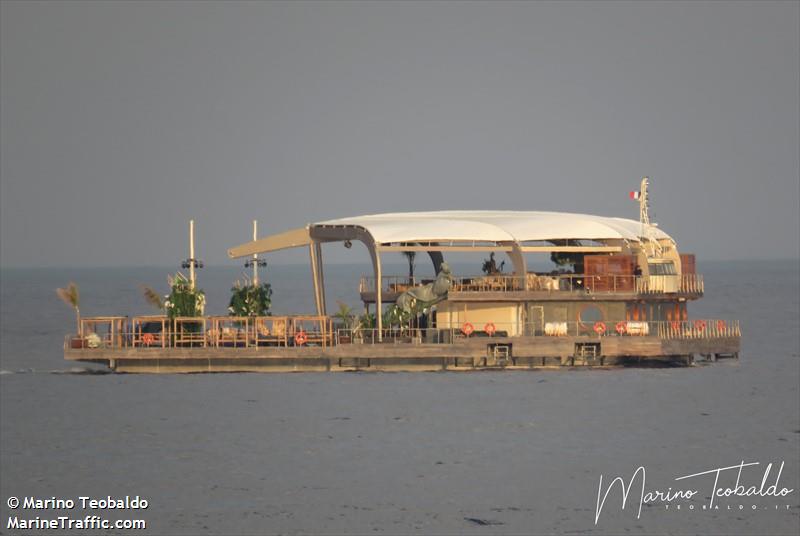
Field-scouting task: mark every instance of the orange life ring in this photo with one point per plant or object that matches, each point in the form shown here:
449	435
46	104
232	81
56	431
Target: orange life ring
621	328
467	329
720	325
700	325
599	327
490	328
675	325
300	338
148	339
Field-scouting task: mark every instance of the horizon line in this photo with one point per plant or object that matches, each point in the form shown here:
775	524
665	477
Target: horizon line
366	261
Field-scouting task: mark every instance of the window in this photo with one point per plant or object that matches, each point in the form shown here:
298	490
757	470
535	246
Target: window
662	268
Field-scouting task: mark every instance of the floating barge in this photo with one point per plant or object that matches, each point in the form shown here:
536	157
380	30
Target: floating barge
627	305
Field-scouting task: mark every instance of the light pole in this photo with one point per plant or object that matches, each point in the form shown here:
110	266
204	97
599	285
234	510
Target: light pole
255	262
191	263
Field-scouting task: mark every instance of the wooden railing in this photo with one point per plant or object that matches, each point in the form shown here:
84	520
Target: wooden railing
212	331
581	283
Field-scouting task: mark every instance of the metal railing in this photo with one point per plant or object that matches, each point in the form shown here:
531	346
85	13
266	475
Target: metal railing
699	329
254	333
390	283
582	283
692	329
214	332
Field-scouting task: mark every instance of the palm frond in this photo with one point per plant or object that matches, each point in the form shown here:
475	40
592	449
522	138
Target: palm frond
152	297
69	295
344	309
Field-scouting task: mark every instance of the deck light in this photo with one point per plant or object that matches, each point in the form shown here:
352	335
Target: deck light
189	262
261	263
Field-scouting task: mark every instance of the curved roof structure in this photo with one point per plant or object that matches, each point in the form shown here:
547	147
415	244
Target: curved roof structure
492	226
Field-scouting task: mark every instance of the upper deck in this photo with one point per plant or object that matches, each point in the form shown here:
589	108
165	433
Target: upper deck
547	287
622	259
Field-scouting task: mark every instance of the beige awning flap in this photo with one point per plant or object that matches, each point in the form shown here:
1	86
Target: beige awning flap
289	239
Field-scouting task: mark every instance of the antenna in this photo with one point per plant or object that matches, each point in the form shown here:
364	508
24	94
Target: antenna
647	229
644	217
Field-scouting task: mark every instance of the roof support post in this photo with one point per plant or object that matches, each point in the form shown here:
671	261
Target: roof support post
319	234
376	262
518	260
312	253
321	277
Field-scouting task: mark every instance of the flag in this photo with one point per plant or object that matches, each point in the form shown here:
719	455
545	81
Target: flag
635	195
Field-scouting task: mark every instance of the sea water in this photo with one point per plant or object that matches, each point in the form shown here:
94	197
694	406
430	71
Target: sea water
437	453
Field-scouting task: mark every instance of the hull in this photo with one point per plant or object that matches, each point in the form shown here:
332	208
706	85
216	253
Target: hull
511	353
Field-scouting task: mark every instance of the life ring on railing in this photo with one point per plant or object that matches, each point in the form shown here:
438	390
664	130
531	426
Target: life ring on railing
621	328
300	338
490	329
675	325
720	325
467	329
148	339
599	327
700	325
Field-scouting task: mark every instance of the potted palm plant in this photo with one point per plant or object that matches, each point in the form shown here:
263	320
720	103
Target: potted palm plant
347	322
71	296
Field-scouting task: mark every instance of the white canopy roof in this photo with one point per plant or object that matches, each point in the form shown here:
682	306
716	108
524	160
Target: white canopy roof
493	226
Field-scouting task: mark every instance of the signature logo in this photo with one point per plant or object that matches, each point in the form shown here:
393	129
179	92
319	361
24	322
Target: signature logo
766	488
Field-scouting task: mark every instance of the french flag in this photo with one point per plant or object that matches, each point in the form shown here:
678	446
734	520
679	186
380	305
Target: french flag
635	195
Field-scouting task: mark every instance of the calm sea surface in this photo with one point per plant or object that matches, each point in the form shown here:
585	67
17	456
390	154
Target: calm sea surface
428	453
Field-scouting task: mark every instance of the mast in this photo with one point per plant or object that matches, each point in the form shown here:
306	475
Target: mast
255	255
191	255
647	228
644	216
255	262
191	263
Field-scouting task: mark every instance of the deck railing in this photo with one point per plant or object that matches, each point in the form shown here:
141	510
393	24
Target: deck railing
699	329
210	332
575	283
283	331
693	329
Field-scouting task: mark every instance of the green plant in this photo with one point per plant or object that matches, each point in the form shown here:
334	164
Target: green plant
183	300
366	321
562	258
396	316
250	300
568	259
71	296
346	316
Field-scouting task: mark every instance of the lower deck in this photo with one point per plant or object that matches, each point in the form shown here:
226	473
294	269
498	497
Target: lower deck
461	355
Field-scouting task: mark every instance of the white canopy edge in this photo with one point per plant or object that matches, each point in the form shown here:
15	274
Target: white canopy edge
495	226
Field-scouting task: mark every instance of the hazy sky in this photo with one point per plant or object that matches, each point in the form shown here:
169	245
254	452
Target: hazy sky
121	121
